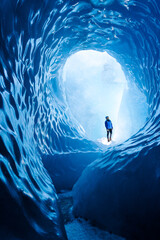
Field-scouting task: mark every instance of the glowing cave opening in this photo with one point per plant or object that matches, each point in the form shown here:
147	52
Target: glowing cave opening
95	86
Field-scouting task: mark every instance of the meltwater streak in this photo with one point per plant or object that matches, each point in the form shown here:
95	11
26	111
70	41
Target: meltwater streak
36	38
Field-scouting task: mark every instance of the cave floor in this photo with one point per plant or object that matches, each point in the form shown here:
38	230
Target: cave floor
79	228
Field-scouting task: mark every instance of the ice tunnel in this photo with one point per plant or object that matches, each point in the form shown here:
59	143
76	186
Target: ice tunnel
45	148
95	84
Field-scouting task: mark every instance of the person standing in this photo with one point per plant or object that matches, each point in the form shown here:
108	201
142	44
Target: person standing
109	128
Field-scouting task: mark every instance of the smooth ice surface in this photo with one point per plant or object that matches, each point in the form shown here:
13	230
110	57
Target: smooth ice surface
36	39
122	196
65	169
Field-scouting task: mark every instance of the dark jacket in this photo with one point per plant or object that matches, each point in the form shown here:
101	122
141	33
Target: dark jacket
108	124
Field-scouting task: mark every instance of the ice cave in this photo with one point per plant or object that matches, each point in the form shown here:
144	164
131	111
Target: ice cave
64	66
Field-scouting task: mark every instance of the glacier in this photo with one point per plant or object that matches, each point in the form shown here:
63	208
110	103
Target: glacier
43	148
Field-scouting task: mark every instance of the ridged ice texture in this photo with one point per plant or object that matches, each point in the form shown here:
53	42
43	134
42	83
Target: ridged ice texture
36	37
121	191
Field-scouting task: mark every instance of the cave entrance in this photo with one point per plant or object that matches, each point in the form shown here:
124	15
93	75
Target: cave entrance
95	86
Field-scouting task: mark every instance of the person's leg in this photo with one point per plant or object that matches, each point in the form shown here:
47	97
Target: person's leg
108	135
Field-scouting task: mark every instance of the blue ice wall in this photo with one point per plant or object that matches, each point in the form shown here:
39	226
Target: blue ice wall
121	190
36	37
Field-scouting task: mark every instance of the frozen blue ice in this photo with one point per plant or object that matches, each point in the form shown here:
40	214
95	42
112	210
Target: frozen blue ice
46	140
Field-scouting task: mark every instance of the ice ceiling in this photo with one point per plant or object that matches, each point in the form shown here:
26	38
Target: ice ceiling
42	142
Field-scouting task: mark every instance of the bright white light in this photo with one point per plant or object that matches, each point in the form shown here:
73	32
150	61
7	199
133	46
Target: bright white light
94	87
104	141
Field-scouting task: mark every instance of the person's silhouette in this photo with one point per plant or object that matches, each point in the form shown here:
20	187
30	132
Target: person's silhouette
109	128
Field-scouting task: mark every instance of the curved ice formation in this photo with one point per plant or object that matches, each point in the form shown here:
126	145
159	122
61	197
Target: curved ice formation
95	85
36	38
121	190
